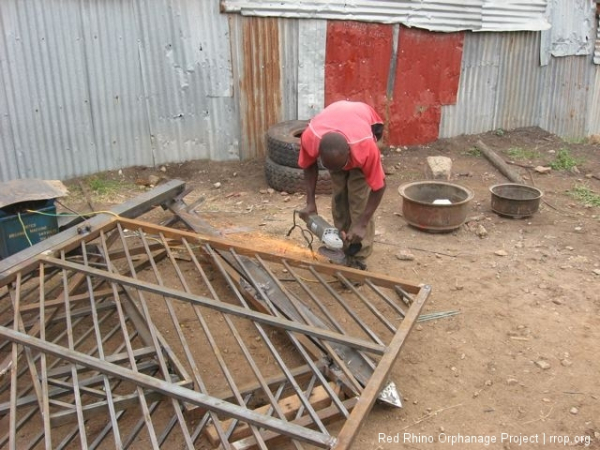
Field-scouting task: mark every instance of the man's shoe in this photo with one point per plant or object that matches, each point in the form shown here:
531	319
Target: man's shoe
356	263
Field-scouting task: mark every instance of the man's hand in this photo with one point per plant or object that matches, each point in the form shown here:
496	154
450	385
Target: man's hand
355	234
310	181
307	211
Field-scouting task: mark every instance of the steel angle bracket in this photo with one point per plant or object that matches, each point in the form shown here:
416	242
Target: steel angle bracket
250	376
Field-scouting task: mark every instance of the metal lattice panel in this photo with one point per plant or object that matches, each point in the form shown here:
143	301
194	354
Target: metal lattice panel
140	333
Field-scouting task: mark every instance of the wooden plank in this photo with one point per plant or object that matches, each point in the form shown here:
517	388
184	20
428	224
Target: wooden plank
319	399
327	415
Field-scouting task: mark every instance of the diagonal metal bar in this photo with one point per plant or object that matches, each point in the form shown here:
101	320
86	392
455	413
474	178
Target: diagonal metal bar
268	342
366	302
100	350
176	324
223	434
222	307
365	403
296	312
74	374
171	390
243	347
132	362
346	307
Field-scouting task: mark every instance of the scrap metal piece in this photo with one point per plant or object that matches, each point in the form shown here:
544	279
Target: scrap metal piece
28	189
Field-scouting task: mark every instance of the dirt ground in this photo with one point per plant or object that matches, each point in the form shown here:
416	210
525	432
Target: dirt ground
518	366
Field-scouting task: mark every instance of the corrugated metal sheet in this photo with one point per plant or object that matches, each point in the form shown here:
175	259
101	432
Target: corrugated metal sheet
311	63
519	81
434	15
564	110
257	44
593	125
475	109
597	46
503	86
572	29
92	86
186	74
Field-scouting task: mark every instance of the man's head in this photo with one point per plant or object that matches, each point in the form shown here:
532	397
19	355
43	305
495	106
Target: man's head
334	151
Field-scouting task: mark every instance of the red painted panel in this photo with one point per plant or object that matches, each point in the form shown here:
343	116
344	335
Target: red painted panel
357	62
427	77
358	57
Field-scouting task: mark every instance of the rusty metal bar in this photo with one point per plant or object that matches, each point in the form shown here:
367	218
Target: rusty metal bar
222	307
331	352
223	435
384	297
132	362
269	344
359	373
347	308
13	372
155	343
139	425
262	382
357	418
171	390
35	378
100	350
44	369
367	303
74	375
24	401
176	324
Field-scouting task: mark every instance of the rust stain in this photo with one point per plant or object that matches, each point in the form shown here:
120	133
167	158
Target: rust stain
260	82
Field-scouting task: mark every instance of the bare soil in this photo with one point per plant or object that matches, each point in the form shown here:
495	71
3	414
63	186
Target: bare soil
518	366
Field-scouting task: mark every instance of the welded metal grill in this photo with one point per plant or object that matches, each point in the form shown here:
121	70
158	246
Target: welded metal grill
137	335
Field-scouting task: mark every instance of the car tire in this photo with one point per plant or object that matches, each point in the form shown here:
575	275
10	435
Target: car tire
289	179
283	142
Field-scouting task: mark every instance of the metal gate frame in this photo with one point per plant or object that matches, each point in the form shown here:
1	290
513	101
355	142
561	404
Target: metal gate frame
331	335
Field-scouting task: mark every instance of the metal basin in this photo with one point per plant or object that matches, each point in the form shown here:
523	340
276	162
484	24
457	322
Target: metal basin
435	205
515	200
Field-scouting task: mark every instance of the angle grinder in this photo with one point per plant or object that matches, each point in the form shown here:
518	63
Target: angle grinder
330	237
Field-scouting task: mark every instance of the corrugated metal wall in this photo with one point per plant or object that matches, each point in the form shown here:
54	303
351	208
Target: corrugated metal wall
434	15
503	85
93	85
90	85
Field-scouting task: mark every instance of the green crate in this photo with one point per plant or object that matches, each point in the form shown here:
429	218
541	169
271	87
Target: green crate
38	226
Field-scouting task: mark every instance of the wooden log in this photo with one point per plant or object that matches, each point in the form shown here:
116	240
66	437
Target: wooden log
499	163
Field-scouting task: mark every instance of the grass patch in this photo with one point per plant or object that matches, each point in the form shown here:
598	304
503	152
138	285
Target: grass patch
564	160
473	151
522	154
585	195
576	141
102	188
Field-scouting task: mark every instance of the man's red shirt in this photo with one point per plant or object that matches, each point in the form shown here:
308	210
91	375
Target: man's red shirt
353	120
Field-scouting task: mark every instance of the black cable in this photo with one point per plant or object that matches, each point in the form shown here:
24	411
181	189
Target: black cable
305	232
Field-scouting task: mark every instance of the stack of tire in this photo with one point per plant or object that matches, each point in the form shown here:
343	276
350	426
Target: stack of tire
281	166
